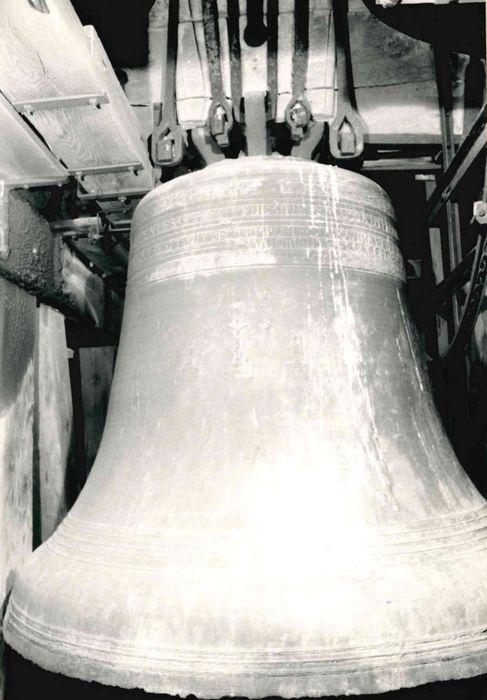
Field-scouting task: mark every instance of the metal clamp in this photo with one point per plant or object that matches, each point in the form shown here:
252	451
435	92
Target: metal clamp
233	23
220	116
480	212
220	120
346	135
307	147
298	117
122	195
168	138
298	111
206	146
83	227
94	100
272	53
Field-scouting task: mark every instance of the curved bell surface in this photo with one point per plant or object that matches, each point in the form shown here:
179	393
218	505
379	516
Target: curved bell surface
275	508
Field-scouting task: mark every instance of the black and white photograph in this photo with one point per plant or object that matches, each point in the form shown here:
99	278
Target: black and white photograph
243	349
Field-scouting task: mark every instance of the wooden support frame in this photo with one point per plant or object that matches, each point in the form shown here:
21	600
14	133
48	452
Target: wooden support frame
469	150
65	81
25	161
454	263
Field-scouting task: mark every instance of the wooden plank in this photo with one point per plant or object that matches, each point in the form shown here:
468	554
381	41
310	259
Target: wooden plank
96	366
158	14
143	88
193	89
17	350
394	78
284	61
408	111
54	413
320	84
23	157
45	55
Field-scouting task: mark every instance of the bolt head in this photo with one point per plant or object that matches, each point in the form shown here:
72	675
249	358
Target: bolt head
299	114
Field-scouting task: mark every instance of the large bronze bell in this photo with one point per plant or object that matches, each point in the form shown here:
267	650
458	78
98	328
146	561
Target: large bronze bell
275	508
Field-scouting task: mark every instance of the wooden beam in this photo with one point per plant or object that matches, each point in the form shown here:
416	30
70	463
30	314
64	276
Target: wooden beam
54	424
50	55
96	369
395	82
43	265
24	159
17	352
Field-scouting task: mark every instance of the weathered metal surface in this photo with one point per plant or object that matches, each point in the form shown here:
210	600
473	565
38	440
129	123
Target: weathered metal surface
275	508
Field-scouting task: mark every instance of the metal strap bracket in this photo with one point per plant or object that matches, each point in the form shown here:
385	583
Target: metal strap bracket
168	137
94	100
81	173
83	227
310	142
346	130
206	146
233	12
121	195
220	116
298	117
298	111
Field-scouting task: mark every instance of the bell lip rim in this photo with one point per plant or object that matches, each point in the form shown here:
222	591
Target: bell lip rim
419	674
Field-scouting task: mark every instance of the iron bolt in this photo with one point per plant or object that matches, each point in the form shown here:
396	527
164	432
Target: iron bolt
480	212
299	114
